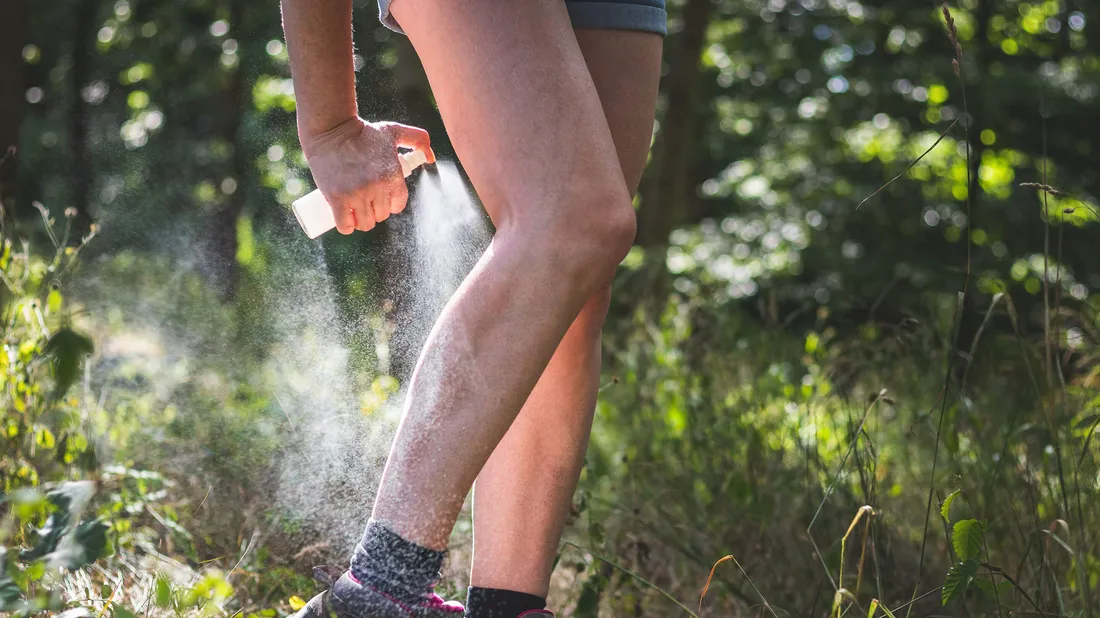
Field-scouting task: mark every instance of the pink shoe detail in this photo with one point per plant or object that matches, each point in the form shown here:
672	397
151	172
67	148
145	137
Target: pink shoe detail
434	600
536	612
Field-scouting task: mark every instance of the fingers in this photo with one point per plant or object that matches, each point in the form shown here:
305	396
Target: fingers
344	216
399	197
364	210
416	138
354	213
381	203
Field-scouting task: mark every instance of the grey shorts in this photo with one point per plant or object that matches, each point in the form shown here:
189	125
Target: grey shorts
643	15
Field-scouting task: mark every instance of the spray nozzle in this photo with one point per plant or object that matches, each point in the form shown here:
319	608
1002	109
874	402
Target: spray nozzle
314	213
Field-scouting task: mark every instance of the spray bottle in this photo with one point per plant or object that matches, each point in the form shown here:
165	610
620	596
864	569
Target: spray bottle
314	213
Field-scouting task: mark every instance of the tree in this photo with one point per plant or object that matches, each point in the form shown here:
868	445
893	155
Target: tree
12	22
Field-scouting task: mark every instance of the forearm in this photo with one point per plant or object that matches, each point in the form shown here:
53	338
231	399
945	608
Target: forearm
318	36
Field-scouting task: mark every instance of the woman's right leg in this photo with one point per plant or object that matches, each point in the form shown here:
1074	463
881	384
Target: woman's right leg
524	116
521	502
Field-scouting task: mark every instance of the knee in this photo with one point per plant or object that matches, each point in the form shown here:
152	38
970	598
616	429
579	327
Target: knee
585	238
595	243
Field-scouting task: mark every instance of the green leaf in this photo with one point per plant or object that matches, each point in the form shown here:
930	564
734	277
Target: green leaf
35	571
945	508
958	579
1002	591
164	593
53	301
45	438
67	349
90	537
588	605
966	536
812	341
874	606
11	596
121	612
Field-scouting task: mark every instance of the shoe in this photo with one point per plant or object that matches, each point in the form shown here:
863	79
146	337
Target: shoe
535	613
349	598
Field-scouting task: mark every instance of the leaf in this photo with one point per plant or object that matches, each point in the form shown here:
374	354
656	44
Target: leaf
121	612
874	606
49	535
296	603
11	597
67	348
53	301
45	438
1002	591
90	536
588	605
985	586
958	579
35	571
164	593
966	536
945	508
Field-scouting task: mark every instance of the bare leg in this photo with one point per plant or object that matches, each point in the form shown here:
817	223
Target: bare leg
523	113
523	495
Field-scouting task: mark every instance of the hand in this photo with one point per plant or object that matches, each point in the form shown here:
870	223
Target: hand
356	168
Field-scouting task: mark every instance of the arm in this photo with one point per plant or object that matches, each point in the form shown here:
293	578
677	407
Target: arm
318	36
354	162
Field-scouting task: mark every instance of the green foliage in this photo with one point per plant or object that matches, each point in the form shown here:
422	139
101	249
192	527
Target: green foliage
958	580
40	428
66	349
966	538
945	508
739	362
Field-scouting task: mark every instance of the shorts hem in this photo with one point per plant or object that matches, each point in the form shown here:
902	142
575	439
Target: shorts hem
618	16
593	14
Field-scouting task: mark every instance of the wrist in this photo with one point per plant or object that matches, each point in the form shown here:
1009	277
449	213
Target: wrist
316	135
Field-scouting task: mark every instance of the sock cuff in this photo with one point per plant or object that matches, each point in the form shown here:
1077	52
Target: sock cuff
498	603
384	559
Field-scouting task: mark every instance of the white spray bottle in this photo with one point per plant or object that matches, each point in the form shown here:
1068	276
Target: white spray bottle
314	213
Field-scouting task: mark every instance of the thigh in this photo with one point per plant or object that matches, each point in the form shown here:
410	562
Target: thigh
625	66
517	99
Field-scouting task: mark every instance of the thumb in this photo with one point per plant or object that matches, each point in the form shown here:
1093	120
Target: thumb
411	137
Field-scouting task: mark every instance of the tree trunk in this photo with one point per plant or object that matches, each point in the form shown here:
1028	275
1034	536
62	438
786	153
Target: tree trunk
973	309
224	221
12	24
666	186
80	164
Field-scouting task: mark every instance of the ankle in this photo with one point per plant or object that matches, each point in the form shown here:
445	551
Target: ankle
498	603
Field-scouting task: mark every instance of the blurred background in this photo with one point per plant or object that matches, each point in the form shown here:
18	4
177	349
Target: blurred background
866	274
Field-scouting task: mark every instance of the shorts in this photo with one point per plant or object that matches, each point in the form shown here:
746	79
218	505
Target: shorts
643	15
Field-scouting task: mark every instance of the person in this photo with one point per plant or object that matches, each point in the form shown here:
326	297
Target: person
549	105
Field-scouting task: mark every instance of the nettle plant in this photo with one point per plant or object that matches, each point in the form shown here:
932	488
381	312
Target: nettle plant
45	527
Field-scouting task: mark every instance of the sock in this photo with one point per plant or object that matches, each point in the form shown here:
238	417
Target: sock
394	566
496	603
